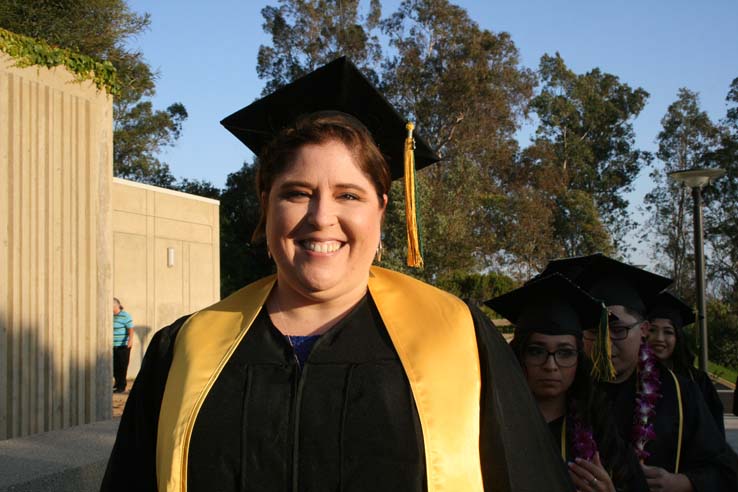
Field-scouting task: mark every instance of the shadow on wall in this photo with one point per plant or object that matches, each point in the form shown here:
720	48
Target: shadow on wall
141	338
51	379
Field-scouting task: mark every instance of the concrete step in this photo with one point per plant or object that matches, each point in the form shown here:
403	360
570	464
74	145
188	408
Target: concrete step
70	460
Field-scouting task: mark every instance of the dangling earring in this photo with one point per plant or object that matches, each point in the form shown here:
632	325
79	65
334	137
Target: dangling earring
380	250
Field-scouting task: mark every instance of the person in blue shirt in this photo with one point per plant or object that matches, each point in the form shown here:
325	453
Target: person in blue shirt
122	341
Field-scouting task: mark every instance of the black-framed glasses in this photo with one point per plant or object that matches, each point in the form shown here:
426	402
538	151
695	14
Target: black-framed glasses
536	355
616	332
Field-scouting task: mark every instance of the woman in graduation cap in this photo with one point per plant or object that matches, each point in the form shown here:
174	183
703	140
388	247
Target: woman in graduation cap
659	413
333	374
550	315
667	317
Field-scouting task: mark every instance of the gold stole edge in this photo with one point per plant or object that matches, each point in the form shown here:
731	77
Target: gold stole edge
680	409
432	331
202	348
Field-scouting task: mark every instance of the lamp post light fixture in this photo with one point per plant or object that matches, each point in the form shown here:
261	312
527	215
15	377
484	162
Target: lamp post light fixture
697	178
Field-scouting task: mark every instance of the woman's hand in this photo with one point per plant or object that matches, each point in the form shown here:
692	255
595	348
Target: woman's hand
659	479
590	477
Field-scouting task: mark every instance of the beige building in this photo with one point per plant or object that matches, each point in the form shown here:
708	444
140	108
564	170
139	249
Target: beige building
166	257
70	238
56	164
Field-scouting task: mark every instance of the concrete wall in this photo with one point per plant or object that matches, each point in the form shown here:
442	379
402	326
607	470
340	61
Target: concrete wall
55	250
147	222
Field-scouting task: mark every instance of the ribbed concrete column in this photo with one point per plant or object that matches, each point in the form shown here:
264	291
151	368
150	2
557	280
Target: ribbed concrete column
55	250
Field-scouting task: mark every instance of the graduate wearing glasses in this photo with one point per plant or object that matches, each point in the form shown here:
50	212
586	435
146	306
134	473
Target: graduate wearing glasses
550	315
662	415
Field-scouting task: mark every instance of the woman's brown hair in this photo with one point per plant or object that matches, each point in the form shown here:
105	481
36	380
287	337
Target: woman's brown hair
313	129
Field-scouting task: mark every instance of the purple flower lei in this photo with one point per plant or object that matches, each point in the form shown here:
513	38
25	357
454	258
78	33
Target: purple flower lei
647	395
583	443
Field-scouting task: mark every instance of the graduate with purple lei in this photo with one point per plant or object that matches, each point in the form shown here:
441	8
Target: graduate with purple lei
549	315
662	415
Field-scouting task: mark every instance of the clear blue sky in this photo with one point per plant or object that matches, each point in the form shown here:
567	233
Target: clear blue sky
206	55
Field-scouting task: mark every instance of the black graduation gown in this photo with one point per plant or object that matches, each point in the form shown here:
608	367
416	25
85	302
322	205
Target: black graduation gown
705	458
345	421
710	394
637	481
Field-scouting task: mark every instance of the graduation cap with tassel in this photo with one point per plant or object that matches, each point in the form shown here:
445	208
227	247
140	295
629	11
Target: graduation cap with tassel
340	86
551	305
614	283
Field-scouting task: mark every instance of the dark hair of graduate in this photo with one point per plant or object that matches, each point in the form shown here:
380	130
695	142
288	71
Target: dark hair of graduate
682	358
593	410
314	129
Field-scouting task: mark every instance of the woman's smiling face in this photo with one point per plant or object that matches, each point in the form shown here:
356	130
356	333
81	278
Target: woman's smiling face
661	337
323	222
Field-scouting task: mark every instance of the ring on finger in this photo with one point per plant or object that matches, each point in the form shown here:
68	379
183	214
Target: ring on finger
593	482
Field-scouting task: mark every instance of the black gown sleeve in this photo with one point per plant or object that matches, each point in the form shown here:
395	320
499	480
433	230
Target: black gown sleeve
712	399
706	460
517	450
132	463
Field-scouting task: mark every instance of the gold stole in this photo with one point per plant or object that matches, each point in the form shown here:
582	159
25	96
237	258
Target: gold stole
681	421
432	331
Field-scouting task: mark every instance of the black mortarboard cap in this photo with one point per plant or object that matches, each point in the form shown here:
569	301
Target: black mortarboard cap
550	305
337	86
668	306
612	281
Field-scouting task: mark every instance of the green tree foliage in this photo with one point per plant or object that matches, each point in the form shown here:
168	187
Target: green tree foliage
687	138
721	216
524	226
578	226
463	87
198	187
476	287
722	333
467	93
242	262
309	33
543	219
140	133
486	204
585	136
27	52
101	29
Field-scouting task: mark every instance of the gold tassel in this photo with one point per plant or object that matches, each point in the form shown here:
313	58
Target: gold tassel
602	368
414	257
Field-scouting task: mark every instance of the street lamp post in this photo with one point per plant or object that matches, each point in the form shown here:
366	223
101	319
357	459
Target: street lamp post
697	178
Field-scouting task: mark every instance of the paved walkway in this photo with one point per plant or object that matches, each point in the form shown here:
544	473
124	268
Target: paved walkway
119	400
